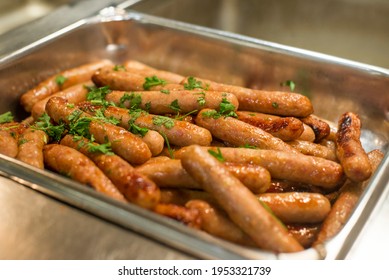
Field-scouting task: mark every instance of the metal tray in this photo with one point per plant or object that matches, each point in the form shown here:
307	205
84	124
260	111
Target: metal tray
334	85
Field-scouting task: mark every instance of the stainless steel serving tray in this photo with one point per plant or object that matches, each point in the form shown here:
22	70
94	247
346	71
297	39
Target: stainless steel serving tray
334	85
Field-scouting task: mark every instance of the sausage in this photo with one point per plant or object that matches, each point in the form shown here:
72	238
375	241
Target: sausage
215	222
145	70
187	101
345	203
270	102
243	133
187	216
180	133
313	149
9	139
135	187
127	80
349	149
169	173
73	94
296	207
284	165
240	204
31	143
304	233
308	134
285	128
123	143
281	186
182	196
68	161
154	141
319	127
52	85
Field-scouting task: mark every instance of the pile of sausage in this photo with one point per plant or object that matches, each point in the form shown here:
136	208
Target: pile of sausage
252	167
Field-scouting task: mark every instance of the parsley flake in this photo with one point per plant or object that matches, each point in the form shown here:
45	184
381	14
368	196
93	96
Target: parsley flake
193	84
165	121
165	91
119	68
289	83
53	131
153	81
175	106
218	154
60	80
135	100
6	117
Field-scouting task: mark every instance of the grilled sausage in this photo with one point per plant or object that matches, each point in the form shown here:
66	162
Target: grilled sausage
31	144
66	160
296	207
304	233
53	84
240	204
179	133
124	143
243	133
169	173
319	127
136	187
73	94
285	128
182	101
345	203
308	134
284	165
349	149
313	149
270	102
187	216
9	139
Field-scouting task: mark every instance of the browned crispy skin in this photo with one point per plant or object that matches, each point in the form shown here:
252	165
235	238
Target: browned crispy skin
9	135
216	222
127	80
188	101
270	102
313	149
136	187
240	204
124	143
50	86
31	143
308	134
73	94
345	203
239	133
169	173
70	162
187	216
182	133
320	128
304	233
285	128
297	207
349	149
284	165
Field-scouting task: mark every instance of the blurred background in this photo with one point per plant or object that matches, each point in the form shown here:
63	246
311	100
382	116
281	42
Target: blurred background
352	29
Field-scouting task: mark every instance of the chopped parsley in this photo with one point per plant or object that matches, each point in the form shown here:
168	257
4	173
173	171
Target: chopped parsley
275	105
201	99
99	115
165	91
60	80
165	121
289	83
119	67
97	95
248	146
53	131
153	81
148	106
6	117
132	127
135	101
218	154
22	141
193	84
135	129
100	148
171	152
175	106
226	109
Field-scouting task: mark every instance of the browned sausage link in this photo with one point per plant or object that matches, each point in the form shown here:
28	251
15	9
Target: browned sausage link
285	128
154	141
349	149
182	196
52	85
145	70
296	207
240	204
187	101
238	133
345	203
279	186
123	143
216	222
181	133
189	217
126	81
270	102
70	162
313	149
284	165
136	187
9	139
320	128
304	233
31	144
171	174
73	94
308	134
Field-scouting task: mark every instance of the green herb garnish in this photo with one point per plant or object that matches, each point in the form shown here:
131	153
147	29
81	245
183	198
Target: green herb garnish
100	148
289	83
6	117
218	155
135	101
60	80
153	81
97	95
193	84
165	91
275	105
53	131
119	68
226	109
175	106
165	121
171	152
